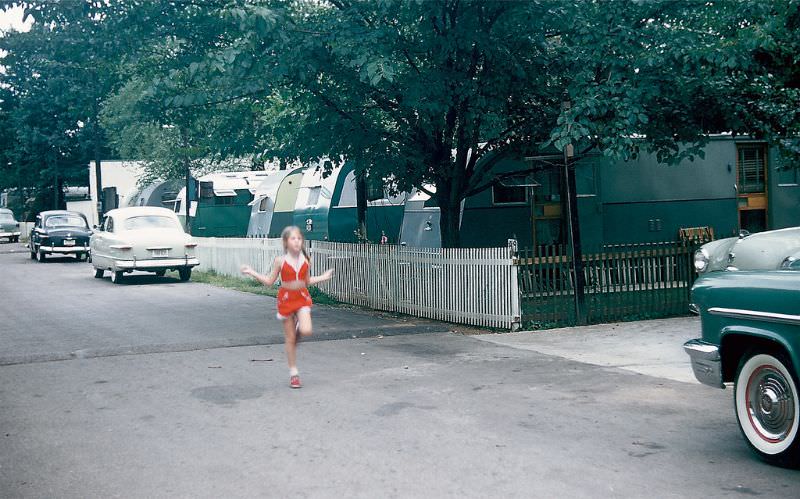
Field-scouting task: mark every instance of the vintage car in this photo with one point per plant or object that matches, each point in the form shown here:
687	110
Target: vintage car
142	238
751	338
9	227
59	232
767	250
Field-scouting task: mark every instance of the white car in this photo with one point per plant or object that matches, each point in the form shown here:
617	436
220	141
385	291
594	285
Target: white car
142	238
768	250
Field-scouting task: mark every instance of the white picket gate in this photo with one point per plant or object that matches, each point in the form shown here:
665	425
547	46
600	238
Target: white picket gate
476	286
225	255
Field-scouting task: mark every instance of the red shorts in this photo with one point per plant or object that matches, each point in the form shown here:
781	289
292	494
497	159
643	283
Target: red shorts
290	301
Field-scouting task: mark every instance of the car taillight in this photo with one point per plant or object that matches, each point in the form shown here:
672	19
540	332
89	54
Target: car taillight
123	247
191	245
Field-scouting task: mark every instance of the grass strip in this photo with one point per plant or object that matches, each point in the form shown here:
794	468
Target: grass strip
249	285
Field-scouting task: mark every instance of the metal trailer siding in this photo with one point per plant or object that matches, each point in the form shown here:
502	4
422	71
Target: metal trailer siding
285	199
214	220
313	220
646	201
659	221
783	192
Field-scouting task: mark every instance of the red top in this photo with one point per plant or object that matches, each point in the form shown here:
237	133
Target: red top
289	273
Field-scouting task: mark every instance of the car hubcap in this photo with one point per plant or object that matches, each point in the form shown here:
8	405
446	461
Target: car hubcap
770	404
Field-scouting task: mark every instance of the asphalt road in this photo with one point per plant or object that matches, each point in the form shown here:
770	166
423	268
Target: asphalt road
424	415
56	311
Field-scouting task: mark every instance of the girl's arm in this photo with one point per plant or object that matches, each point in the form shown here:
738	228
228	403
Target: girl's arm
266	280
320	278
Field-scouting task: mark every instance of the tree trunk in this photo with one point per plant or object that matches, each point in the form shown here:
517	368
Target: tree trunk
361	207
450	215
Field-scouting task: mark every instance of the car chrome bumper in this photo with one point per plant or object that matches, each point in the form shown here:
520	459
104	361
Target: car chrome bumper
164	263
64	249
706	362
9	234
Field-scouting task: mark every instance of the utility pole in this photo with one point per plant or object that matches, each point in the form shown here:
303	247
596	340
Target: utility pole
573	228
187	163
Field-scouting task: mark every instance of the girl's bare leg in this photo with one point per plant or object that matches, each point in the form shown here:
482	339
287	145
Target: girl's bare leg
304	322
290	341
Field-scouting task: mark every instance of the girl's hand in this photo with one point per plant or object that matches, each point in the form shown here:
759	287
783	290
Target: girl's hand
327	275
246	270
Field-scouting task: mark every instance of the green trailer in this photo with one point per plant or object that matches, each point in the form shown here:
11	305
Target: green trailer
273	205
384	213
318	193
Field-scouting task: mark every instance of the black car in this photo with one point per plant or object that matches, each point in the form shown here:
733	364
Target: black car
60	232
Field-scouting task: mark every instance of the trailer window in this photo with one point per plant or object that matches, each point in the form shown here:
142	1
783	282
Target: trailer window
206	190
752	168
313	196
502	194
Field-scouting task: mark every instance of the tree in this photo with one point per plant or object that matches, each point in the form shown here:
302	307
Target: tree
435	92
44	135
416	93
664	75
422	93
61	70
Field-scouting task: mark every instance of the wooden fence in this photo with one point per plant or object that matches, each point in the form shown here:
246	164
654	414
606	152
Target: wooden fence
467	286
224	255
623	282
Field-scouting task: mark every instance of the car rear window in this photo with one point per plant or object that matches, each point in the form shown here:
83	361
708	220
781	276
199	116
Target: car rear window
150	222
65	221
6	217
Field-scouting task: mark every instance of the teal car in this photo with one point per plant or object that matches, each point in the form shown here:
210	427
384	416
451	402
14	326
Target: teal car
9	227
751	338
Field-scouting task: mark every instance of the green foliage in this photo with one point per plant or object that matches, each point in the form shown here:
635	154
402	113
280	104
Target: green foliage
418	93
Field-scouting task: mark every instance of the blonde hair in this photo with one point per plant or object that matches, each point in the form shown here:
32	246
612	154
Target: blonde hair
287	231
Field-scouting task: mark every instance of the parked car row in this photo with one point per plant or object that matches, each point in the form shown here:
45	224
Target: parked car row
146	239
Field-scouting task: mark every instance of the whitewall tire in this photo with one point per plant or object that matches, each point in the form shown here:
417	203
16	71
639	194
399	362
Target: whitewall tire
768	407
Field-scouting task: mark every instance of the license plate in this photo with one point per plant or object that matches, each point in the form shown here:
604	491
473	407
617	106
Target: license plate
159	253
69	242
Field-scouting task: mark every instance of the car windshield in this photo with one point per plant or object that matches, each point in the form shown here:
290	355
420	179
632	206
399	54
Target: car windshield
6	217
56	221
150	222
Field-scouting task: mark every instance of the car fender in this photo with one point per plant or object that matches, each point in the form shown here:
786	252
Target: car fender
758	335
717	252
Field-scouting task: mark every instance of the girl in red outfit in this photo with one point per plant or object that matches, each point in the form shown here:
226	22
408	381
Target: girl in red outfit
294	302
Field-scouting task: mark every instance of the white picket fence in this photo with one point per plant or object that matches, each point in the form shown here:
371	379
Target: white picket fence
468	286
225	255
476	286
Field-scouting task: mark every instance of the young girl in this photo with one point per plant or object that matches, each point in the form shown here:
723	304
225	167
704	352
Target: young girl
294	302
